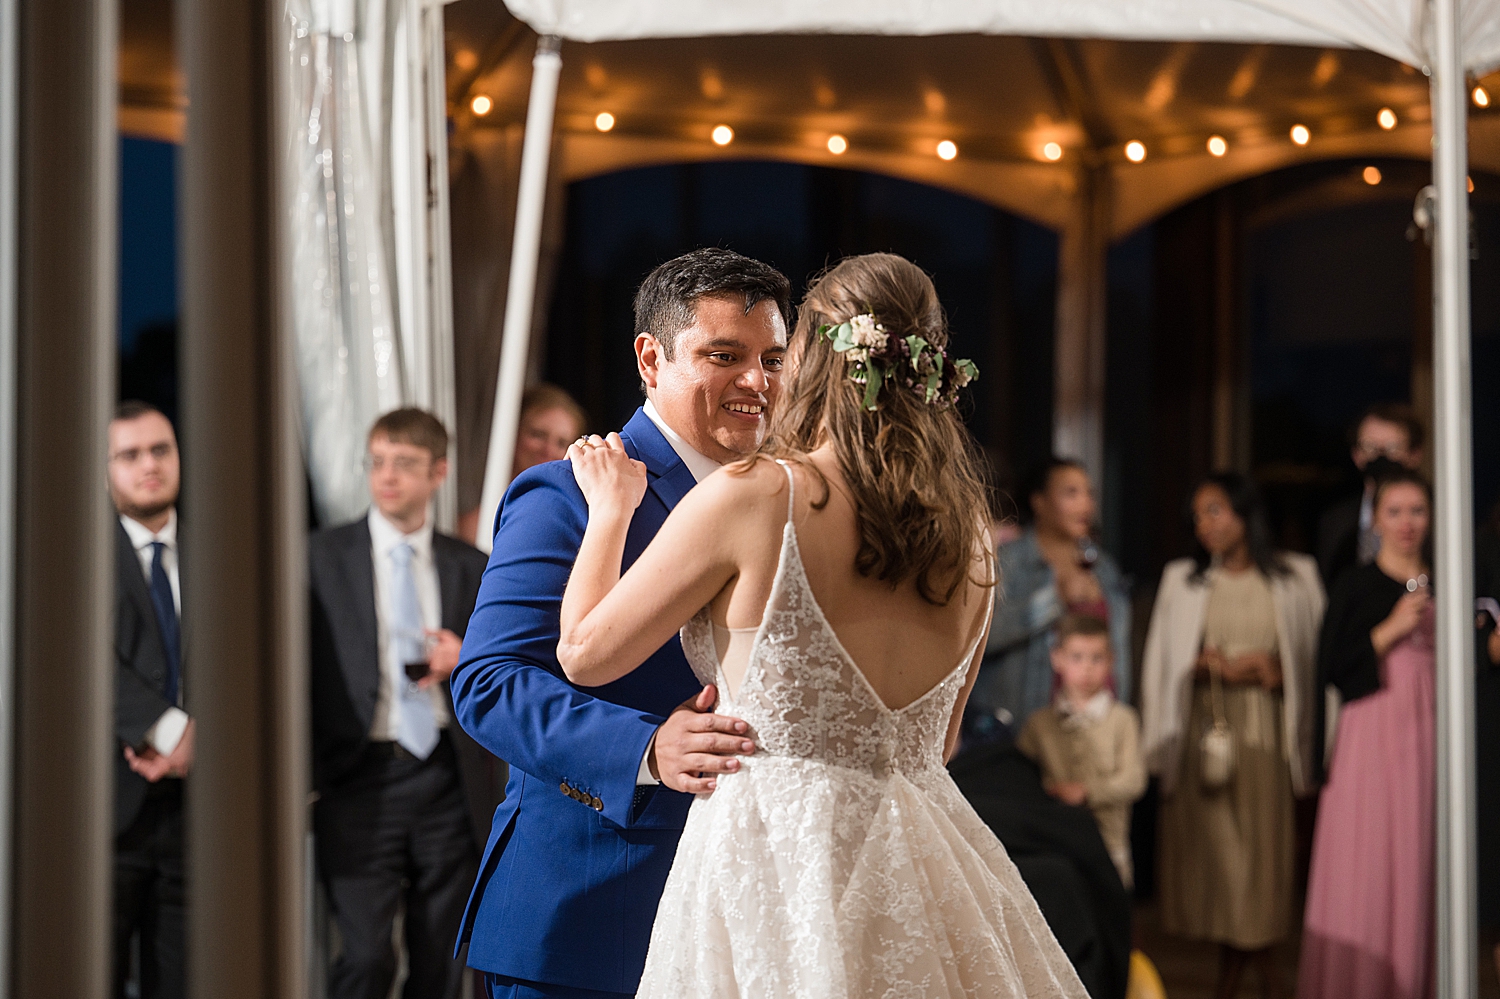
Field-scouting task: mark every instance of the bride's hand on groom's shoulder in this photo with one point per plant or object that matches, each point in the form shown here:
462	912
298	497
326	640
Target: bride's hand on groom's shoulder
609	478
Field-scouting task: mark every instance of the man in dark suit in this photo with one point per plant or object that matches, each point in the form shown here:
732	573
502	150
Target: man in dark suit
404	796
579	852
1387	432
155	734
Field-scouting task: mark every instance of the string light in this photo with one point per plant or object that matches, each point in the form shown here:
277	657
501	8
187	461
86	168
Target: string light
1481	97
1300	135
604	121
1386	118
1135	150
723	135
947	149
838	145
1371	175
1053	151
481	105
1217	146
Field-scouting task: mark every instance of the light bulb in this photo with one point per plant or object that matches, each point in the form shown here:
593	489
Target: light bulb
723	135
1371	175
838	145
1300	135
947	150
1386	118
1135	150
481	105
604	121
1481	97
1053	151
1217	146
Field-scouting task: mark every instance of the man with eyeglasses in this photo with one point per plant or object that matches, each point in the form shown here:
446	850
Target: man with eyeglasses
404	796
155	734
1387	434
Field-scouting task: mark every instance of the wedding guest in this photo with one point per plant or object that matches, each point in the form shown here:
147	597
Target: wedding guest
1369	927
1053	568
154	735
405	796
1232	643
1386	434
551	419
1086	742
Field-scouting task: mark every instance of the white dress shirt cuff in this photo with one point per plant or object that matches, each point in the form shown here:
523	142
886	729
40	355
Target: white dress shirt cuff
643	776
167	732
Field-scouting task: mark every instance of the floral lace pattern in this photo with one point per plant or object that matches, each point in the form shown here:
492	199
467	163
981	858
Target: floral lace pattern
841	860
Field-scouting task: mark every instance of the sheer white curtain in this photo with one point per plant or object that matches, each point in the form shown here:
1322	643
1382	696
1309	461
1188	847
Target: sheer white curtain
367	218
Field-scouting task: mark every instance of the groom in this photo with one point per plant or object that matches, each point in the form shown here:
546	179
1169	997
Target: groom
579	851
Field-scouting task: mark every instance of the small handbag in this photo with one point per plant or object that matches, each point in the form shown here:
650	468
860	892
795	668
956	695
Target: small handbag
1216	748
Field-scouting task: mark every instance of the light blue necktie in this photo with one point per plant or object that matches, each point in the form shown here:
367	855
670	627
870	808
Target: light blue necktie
412	719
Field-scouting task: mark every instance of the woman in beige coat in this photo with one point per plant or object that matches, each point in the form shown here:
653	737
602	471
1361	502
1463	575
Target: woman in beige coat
1233	643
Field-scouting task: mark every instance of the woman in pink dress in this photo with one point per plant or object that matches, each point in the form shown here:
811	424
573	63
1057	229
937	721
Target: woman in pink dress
1369	929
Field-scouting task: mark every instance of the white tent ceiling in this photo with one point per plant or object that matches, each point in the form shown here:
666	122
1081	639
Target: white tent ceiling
1396	28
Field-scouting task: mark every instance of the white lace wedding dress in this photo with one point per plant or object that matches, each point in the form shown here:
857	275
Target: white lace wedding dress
841	860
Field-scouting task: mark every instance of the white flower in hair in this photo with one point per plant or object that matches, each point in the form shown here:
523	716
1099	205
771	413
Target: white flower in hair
867	333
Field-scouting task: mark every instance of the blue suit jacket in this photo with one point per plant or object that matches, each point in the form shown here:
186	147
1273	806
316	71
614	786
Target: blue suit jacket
577	855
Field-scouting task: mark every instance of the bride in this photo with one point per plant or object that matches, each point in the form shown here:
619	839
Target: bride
836	589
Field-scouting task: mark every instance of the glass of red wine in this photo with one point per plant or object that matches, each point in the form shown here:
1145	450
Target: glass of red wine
416	648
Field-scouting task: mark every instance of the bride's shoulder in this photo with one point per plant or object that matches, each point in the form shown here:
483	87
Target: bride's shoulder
741	486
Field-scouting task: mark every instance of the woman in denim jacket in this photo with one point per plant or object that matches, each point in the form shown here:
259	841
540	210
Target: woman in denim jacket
1053	568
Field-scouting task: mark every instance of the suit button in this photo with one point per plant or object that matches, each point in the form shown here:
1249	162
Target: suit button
598	805
565	789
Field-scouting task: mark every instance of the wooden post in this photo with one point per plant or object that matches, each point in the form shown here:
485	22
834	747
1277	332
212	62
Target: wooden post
64	703
243	548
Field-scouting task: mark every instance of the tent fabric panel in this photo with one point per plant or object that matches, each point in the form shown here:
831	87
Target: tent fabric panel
1207	20
1396	28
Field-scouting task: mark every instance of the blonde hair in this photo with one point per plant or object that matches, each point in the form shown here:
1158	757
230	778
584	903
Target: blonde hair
911	468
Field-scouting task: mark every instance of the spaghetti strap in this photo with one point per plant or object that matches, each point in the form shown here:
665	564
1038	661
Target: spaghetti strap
791	489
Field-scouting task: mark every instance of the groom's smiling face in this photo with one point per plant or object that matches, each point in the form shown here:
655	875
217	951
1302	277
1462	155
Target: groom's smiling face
723	375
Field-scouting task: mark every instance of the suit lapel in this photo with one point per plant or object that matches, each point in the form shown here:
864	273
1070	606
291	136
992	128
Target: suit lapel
669	478
359	576
450	580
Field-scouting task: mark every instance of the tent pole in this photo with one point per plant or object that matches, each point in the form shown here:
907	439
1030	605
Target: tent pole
1078	406
520	296
1454	584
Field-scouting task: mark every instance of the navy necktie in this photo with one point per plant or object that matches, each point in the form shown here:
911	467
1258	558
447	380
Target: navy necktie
166	620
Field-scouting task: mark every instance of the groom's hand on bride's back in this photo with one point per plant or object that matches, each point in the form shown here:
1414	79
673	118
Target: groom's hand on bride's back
694	745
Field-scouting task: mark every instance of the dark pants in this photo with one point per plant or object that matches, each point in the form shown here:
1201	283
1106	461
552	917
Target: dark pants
501	987
150	896
396	830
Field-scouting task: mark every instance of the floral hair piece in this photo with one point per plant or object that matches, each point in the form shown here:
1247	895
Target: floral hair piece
877	358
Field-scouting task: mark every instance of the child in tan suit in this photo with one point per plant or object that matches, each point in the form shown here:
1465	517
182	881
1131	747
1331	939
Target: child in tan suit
1086	742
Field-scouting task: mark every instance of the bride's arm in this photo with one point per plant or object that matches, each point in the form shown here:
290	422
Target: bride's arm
956	723
609	625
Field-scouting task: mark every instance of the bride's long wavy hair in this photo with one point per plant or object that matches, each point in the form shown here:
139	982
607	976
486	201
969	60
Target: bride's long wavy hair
911	467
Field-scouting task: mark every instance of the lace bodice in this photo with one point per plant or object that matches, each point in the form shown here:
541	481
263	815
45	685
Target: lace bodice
803	695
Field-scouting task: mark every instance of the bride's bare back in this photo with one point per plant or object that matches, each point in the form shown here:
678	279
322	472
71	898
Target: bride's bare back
903	644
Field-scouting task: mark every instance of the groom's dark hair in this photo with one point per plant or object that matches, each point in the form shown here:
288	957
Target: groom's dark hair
667	300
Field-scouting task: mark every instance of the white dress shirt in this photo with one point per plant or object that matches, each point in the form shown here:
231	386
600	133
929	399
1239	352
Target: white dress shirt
166	731
701	467
384	537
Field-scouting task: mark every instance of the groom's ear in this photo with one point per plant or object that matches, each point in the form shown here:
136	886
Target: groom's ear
648	358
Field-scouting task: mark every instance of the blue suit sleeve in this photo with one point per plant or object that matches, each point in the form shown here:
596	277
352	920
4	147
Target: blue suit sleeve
509	691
